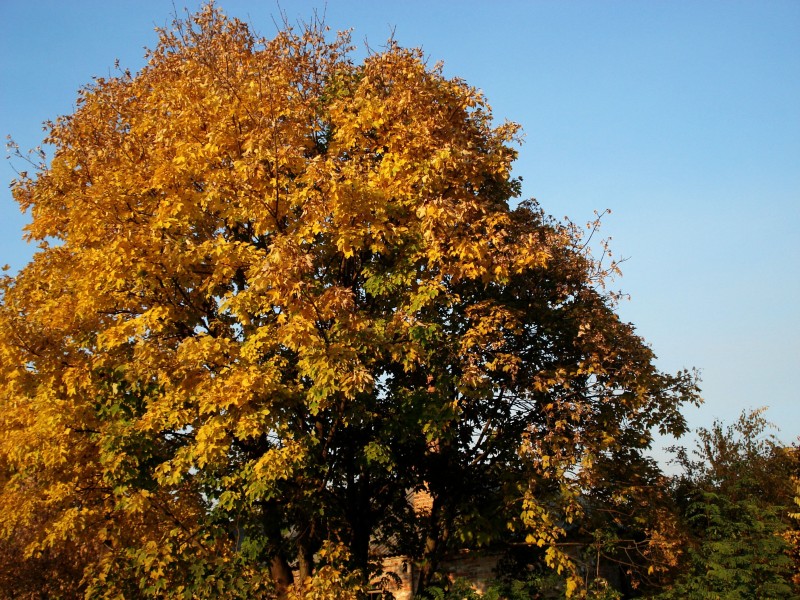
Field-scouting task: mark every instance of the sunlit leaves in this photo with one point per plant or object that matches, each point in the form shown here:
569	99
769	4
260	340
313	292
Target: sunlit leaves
276	291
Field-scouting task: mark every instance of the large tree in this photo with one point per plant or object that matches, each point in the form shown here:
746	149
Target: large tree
276	291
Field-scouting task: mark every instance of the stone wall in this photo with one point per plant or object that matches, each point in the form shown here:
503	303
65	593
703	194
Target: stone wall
400	577
403	577
478	570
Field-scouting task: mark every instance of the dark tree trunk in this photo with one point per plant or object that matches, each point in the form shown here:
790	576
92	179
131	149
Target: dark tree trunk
361	524
281	575
358	511
308	544
432	549
280	570
305	562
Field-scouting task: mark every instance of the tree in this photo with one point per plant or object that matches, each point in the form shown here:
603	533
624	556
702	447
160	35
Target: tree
736	499
275	292
792	534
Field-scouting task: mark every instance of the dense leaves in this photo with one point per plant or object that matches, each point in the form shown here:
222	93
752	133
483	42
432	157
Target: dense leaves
736	496
276	292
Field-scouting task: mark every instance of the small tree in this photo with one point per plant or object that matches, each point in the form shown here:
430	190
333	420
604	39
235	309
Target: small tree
277	290
736	500
792	534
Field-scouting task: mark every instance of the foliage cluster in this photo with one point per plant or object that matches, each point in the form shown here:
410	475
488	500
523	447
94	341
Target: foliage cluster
736	496
733	498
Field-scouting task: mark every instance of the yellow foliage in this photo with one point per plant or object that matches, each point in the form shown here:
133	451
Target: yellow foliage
259	263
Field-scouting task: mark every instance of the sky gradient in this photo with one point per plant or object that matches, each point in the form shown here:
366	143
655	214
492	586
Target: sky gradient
682	118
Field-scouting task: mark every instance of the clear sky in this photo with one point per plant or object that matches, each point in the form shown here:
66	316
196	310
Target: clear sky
682	117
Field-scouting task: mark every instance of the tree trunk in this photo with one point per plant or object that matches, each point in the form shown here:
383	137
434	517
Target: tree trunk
431	551
305	561
281	575
361	524
279	567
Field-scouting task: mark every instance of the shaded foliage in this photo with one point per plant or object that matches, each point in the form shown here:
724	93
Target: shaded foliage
736	497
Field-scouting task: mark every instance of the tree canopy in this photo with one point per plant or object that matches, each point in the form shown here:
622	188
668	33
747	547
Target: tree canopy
278	290
736	501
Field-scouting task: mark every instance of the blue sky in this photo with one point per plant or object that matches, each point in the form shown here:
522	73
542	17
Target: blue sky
681	117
